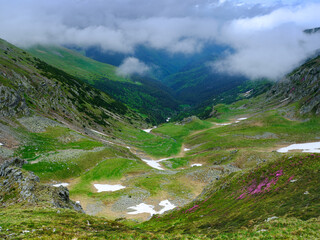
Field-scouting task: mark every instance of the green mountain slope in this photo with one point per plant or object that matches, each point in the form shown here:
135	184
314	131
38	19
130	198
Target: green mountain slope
144	94
288	187
31	85
223	174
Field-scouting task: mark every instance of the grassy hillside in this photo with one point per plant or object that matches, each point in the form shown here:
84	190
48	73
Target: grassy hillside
144	94
287	187
76	64
223	174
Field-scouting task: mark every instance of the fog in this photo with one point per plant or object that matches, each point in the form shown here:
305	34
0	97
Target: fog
266	36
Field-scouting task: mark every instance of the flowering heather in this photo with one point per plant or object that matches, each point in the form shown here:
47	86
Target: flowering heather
265	185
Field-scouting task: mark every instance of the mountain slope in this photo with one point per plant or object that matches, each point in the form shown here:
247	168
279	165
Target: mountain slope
144	94
300	88
188	76
233	153
288	187
29	84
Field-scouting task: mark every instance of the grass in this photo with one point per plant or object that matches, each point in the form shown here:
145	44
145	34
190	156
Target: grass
175	163
76	64
260	133
109	169
180	131
244	200
39	143
282	228
43	223
164	141
153	145
73	167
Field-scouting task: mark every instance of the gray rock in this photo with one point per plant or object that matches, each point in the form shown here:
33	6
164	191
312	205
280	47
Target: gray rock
18	185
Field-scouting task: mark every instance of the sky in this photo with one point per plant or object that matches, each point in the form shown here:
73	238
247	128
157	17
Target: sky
266	35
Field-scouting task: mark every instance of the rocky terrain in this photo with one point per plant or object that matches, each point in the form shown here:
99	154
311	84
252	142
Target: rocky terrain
301	87
222	175
29	85
23	187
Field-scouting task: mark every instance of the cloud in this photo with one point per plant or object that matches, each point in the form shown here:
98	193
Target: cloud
271	45
131	66
265	35
119	26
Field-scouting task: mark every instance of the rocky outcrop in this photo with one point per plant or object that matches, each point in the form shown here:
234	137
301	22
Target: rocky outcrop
12	102
302	86
20	186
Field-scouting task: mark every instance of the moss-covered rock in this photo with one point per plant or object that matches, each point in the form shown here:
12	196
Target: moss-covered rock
20	186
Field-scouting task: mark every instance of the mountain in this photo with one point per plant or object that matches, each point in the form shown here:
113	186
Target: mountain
312	30
29	85
144	94
300	88
229	176
188	76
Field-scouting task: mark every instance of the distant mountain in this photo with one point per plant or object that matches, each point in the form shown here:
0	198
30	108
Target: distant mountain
312	30
187	76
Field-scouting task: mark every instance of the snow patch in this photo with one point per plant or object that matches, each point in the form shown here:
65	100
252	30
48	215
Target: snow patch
145	208
196	165
241	119
108	188
223	124
61	184
155	163
305	147
149	129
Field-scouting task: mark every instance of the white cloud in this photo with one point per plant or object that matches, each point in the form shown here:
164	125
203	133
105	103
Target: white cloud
270	45
266	36
131	66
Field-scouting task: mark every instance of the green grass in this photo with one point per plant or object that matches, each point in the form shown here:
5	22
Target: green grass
39	143
72	167
243	199
282	228
179	132
164	141
76	64
175	163
20	222
42	223
109	169
258	133
155	146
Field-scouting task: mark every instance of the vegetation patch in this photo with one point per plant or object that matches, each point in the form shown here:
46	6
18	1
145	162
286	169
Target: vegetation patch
286	187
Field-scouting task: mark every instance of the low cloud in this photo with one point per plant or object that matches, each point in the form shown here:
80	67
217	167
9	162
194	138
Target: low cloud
131	66
265	35
271	45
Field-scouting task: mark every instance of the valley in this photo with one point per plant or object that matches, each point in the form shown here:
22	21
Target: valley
84	158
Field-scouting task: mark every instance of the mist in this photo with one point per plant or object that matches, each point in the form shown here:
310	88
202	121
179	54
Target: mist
131	66
266	36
